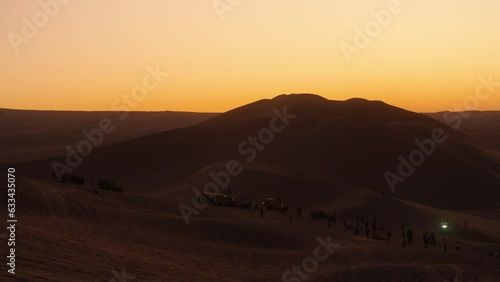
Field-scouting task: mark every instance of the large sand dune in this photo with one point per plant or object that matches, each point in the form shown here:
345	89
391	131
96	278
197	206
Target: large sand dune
351	142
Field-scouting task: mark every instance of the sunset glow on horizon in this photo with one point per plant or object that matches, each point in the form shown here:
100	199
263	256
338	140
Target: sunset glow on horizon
428	58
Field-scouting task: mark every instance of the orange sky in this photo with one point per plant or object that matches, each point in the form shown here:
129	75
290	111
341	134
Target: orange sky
90	53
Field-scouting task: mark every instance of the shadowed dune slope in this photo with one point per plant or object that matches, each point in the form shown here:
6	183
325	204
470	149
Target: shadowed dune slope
482	126
351	142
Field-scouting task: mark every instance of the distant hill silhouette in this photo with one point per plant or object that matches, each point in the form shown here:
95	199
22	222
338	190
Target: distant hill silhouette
30	134
482	126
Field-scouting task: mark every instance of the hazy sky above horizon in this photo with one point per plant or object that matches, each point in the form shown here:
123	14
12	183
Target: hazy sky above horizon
428	57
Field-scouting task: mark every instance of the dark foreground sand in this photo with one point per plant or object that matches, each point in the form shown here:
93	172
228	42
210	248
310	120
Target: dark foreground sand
67	233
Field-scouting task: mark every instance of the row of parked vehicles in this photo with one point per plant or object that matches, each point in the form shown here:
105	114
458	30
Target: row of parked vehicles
231	201
75	179
224	200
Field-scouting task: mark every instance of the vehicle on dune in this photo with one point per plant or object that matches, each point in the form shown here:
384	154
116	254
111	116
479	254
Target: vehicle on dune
225	200
319	215
109	185
274	204
69	178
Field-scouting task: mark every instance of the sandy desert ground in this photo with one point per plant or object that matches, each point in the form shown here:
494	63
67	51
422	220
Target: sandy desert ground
331	157
69	233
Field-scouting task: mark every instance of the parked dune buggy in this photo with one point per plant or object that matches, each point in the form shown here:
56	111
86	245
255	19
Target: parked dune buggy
109	185
274	204
225	200
319	215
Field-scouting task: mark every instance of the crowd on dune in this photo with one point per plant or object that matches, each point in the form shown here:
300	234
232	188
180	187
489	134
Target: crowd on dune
377	231
363	228
360	227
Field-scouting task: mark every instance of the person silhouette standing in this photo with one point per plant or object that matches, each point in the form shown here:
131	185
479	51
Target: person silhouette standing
426	239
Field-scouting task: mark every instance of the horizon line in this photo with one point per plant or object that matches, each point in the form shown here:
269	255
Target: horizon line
193	112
